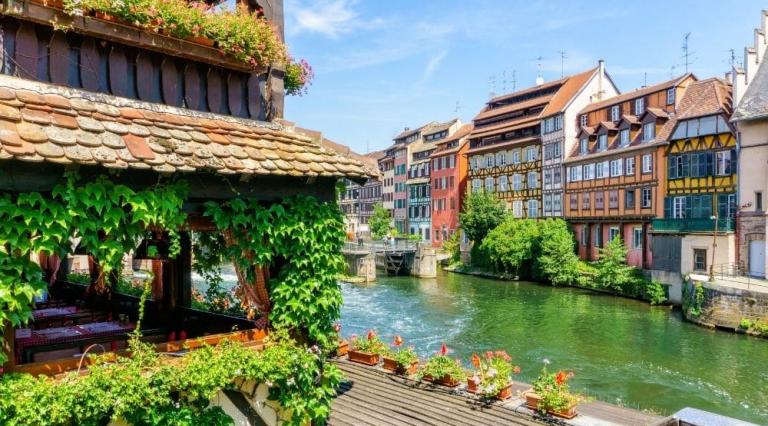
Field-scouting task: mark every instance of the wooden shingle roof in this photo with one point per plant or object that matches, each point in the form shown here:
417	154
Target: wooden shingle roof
42	122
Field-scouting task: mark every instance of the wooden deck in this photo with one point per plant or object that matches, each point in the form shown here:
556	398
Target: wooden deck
372	396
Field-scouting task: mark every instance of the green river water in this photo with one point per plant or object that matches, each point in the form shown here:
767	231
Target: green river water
622	351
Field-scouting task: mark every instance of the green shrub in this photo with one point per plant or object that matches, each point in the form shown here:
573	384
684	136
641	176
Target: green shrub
442	366
481	212
613	273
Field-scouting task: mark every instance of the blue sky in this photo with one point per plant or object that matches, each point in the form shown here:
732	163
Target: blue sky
384	65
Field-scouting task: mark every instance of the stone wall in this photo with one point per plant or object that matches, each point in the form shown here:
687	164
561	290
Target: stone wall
751	228
724	306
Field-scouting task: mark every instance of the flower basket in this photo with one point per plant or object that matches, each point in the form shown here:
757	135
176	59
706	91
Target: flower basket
366	358
471	385
443	381
105	17
505	393
532	399
566	414
392	365
343	348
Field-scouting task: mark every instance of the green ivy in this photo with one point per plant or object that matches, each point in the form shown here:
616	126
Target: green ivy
308	235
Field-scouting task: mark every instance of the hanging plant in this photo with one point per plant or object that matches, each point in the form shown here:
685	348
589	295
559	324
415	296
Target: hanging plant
298	77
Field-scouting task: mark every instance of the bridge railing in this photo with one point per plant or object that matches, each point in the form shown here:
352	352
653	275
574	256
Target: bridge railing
380	246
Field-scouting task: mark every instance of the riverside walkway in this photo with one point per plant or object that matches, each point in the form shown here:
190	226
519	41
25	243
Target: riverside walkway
372	396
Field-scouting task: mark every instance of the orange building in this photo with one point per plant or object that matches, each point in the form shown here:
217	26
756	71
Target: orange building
616	173
449	181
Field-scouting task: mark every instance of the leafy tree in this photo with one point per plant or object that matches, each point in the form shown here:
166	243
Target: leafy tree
482	212
452	246
511	246
612	270
379	221
557	262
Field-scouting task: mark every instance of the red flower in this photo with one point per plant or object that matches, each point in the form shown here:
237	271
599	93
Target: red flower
475	361
443	349
561	377
488	354
516	370
398	341
371	334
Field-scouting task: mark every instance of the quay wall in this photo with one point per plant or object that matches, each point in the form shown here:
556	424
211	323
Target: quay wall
721	305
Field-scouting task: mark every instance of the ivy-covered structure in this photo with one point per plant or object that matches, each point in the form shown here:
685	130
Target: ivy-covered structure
120	137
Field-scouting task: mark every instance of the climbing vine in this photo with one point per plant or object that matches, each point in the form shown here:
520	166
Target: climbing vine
306	235
693	298
107	218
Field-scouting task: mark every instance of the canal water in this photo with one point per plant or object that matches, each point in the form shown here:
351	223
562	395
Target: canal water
622	351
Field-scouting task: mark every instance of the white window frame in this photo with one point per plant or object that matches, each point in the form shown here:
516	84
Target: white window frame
671	95
532	177
624	137
637	238
530	154
613	232
489	160
584	146
602	142
589	171
574	174
722	159
490	184
533	208
503	183
639	106
617	167
629	166
517	208
678	208
649	131
643	204
647	163
516	156
615	113
517	182
583	120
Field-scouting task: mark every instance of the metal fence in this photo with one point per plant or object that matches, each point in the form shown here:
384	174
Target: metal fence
692	225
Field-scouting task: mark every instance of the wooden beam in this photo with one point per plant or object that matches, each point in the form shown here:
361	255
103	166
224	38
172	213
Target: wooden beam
184	270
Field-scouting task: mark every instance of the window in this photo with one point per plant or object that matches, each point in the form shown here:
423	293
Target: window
530	154
613	199
533	180
477	184
589	171
516	157
574	201
547	204
557	203
585	201
624	137
584	234
649	131
556	151
574	174
548	177
629	166
600	200
646	198
617	167
615	113
723	160
583	146
602	142
517	208
699	259
533	208
501	159
647	163
583	120
557	176
639	106
629	199
489	184
758	201
558	122
473	163
613	232
503	184
598	235
678	208
489	161
637	238
601	170
517	182
671	96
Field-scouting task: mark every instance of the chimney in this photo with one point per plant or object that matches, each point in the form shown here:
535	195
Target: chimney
764	21
760	44
750	63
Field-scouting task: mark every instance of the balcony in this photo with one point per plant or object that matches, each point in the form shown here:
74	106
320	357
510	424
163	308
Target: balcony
692	225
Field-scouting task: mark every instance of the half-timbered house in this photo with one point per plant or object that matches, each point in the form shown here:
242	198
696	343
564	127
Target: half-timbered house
616	175
506	143
697	230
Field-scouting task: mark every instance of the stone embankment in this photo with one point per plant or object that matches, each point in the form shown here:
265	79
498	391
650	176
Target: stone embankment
724	304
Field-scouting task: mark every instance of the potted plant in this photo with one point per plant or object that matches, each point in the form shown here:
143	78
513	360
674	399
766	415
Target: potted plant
342	346
551	394
367	351
401	361
442	369
493	376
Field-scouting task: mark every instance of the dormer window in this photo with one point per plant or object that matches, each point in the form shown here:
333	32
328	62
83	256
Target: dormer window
639	106
615	112
583	120
624	137
671	96
649	131
583	146
602	142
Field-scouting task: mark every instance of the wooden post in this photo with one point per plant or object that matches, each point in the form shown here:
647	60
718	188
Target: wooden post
184	270
9	341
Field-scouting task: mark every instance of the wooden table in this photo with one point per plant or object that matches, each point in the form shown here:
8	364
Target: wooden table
29	342
45	318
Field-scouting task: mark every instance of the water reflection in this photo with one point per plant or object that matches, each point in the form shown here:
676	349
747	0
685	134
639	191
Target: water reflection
622	351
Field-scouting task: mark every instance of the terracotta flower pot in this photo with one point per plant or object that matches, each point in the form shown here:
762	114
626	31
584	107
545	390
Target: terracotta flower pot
364	357
105	17
566	414
471	385
205	41
343	348
505	393
443	381
57	4
532	399
392	365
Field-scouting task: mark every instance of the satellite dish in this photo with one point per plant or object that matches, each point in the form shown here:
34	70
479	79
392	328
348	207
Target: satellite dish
539	80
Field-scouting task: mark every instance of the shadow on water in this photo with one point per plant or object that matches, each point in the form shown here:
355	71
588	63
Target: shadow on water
622	351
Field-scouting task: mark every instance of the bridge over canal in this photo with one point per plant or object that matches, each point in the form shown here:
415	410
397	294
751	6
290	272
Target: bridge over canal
400	258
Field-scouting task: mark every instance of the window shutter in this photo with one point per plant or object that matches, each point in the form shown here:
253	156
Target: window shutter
733	162
710	164
668	207
686	166
671	169
689	201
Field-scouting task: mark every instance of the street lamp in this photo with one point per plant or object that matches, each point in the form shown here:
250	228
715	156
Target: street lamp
714	247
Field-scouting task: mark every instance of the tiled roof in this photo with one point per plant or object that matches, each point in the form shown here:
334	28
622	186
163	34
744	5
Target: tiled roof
409	132
370	164
754	103
439	127
658	112
705	97
631	119
635	94
460	134
46	123
488	112
531	89
569	89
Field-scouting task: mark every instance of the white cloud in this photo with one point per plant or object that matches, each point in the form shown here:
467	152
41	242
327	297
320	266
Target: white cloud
331	18
433	65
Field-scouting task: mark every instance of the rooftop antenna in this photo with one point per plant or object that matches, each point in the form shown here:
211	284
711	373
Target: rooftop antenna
514	80
492	84
645	79
672	71
563	57
458	108
687	54
504	81
539	78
